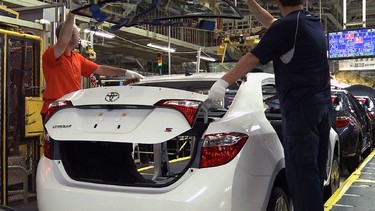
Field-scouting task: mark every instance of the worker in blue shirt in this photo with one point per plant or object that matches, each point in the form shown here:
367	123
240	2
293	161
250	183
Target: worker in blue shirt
296	44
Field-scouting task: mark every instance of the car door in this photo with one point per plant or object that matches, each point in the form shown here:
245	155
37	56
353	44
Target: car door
360	114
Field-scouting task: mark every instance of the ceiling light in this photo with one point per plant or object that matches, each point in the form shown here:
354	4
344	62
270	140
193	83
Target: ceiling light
207	58
100	33
161	47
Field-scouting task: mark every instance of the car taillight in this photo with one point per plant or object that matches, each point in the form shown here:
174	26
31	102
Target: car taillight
342	121
219	149
55	106
47	147
362	100
189	108
333	98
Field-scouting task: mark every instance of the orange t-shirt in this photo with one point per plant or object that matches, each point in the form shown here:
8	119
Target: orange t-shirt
63	75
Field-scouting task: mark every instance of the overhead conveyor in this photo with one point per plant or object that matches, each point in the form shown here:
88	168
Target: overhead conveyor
127	13
358	191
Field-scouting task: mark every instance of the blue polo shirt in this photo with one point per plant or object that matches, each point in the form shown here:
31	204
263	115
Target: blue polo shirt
305	80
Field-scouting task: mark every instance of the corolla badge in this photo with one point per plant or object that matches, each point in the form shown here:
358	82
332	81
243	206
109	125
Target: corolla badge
112	96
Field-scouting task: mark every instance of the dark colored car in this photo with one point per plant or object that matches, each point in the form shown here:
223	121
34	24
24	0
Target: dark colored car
366	97
353	127
368	103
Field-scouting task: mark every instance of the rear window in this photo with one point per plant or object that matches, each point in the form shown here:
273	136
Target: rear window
365	102
337	101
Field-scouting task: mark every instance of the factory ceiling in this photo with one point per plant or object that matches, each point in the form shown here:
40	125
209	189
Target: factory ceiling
129	45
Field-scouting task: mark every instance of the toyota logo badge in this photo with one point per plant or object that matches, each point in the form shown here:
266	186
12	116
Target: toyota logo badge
112	96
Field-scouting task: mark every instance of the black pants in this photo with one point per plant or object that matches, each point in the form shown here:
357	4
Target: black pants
306	137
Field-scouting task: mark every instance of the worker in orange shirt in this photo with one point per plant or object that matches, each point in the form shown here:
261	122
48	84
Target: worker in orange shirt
63	66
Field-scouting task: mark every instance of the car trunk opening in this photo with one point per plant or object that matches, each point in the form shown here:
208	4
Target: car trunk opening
134	164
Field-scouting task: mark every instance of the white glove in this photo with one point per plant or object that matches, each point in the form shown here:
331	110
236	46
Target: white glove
132	74
217	91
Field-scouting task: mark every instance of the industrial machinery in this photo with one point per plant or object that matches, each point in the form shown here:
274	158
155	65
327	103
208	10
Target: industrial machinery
21	128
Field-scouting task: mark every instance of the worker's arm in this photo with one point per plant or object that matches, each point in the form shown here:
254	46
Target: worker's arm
261	14
106	70
65	36
243	66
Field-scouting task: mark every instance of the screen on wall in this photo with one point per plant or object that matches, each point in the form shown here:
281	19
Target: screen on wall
352	43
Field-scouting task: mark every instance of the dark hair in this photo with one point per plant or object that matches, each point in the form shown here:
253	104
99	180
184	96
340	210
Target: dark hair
290	2
58	29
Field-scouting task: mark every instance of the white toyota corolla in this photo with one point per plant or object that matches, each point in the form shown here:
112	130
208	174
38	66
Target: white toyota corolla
159	145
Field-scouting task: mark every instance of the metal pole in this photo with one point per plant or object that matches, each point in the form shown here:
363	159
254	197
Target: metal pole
92	40
344	14
198	60
38	7
169	52
307	5
364	13
320	9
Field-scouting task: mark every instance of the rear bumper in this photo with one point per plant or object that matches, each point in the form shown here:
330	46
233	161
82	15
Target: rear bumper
199	190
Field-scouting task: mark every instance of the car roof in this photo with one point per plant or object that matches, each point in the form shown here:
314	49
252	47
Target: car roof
339	91
363	96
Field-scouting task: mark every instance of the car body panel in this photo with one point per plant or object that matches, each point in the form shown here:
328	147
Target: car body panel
105	124
244	183
368	103
219	193
357	125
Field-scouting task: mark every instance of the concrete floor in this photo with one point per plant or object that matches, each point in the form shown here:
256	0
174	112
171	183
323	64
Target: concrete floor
30	206
33	206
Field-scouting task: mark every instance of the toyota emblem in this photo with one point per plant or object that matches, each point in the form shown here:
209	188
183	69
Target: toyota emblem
112	96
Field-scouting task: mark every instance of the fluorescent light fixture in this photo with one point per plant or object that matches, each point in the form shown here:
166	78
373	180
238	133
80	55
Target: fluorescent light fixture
161	47
207	58
100	33
43	21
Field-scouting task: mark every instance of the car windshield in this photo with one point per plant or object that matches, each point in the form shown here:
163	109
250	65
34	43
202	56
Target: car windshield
155	12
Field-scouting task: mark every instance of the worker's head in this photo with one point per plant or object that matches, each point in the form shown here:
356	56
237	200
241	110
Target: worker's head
75	34
75	37
287	6
58	29
290	3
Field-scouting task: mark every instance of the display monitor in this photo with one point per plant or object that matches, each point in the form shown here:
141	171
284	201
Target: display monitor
351	43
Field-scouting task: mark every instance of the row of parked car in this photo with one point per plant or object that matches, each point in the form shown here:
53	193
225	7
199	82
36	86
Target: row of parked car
354	112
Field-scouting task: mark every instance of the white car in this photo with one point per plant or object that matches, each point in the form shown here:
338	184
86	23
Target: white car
201	156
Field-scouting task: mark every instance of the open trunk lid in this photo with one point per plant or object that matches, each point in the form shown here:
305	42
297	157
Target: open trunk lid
129	114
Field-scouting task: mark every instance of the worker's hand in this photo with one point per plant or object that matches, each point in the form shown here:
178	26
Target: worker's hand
217	91
132	74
